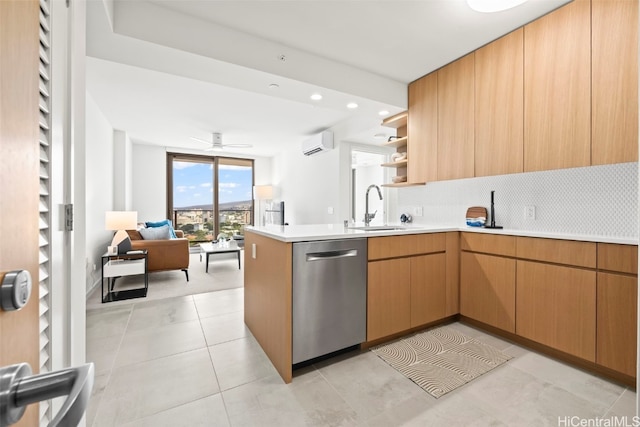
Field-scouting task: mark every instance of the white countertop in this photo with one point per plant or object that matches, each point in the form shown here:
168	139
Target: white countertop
313	232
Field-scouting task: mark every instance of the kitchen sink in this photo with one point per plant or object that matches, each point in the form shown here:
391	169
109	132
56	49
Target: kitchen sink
379	228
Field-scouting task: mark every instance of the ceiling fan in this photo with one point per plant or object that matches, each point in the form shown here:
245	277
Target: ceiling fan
216	143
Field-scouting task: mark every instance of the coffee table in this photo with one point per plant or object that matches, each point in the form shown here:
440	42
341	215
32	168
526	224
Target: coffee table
217	248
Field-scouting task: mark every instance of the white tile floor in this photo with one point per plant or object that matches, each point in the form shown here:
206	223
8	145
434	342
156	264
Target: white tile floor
190	361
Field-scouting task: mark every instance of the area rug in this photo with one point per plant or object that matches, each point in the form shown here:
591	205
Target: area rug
440	360
223	274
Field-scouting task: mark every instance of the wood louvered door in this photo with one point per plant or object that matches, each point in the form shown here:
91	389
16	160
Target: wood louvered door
19	178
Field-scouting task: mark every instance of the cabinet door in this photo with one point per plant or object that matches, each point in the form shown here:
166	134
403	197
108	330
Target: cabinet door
617	322
455	119
388	297
499	110
428	288
557	89
615	81
422	148
487	289
556	306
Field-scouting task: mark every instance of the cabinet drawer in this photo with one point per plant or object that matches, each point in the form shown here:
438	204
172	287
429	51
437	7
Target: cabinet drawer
489	243
400	246
580	254
115	268
622	258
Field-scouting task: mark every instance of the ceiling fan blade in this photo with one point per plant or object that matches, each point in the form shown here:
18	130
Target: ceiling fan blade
201	140
238	145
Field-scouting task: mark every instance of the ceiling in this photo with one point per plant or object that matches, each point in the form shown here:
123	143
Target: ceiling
164	71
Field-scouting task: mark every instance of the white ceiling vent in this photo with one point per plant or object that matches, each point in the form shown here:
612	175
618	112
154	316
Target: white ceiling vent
318	143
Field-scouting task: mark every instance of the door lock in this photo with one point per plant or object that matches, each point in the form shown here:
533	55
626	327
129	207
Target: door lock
15	290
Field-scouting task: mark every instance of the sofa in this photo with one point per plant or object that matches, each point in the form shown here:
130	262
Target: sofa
165	254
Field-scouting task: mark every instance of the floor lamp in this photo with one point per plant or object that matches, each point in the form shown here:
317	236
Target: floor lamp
261	193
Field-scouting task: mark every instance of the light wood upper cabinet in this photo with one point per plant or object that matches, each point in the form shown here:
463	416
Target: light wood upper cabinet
455	119
557	89
499	111
615	81
423	128
556	306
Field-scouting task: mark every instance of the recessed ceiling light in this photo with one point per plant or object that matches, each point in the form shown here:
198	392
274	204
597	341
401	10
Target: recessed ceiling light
383	112
316	97
274	86
380	136
488	6
352	105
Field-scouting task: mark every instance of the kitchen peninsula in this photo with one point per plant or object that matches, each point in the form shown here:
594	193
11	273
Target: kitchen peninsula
419	276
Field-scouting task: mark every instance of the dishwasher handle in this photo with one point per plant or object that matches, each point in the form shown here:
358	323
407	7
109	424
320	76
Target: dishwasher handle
18	388
320	256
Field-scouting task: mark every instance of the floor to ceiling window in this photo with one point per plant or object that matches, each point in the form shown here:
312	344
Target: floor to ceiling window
209	196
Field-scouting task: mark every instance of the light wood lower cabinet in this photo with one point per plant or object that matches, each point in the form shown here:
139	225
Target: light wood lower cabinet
577	297
388	297
617	322
404	293
487	289
556	306
428	288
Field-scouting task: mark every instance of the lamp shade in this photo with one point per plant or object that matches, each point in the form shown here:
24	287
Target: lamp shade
120	220
263	192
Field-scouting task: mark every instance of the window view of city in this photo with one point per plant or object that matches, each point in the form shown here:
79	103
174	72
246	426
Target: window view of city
194	210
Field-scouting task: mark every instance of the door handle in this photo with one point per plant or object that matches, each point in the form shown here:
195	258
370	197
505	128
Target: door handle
18	388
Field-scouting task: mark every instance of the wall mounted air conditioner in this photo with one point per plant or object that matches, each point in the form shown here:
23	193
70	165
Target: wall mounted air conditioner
318	143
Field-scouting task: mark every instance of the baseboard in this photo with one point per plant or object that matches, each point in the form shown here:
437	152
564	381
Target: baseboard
92	288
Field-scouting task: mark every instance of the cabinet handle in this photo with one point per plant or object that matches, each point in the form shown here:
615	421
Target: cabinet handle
318	256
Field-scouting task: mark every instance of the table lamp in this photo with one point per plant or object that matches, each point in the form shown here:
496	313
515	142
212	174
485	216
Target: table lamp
262	192
119	221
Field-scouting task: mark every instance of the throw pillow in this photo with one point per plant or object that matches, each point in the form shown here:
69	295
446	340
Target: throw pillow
172	233
156	233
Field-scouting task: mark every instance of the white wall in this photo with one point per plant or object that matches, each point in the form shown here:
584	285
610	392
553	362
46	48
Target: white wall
149	179
149	182
122	171
99	187
365	176
597	200
309	186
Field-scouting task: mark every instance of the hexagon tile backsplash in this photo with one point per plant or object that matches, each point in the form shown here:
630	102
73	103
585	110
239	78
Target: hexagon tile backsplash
596	200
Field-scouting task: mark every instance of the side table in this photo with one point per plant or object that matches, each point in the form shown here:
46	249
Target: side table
114	266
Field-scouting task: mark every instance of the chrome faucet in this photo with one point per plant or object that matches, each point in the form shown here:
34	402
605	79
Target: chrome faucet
367	216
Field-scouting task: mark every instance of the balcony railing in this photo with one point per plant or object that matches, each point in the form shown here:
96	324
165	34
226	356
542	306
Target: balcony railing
199	225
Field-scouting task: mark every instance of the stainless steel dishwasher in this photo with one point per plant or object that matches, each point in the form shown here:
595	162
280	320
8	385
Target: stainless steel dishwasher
329	296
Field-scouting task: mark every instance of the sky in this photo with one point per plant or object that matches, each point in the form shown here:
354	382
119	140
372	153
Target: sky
193	184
